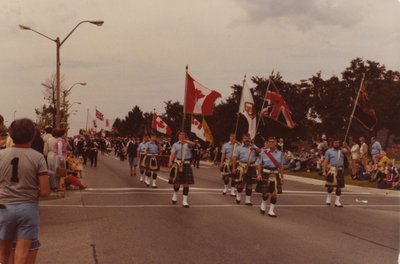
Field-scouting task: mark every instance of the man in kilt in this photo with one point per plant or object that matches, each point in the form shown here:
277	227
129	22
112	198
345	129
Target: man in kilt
181	172
142	156
269	171
333	167
152	164
244	168
226	164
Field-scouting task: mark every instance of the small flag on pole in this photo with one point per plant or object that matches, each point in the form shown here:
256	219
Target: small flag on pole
160	126
99	115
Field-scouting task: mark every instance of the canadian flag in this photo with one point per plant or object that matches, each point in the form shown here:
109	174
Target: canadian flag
199	99
160	126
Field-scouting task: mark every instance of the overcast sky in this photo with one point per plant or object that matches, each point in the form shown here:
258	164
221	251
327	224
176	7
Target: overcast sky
138	56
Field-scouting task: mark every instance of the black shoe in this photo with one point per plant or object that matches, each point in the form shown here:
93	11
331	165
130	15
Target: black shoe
185	206
233	195
262	212
339	206
131	174
223	193
248	204
271	215
328	204
154	187
174	202
237	201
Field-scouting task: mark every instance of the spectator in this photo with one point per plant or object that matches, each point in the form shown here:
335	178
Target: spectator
38	143
23	179
355	158
363	151
376	148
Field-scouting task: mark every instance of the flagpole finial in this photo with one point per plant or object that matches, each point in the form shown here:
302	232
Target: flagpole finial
187	67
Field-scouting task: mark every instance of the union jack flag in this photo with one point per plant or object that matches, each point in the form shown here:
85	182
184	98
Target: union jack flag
99	115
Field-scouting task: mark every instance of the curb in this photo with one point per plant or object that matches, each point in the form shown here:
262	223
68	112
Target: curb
348	187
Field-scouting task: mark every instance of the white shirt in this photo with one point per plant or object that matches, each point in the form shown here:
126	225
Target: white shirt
355	152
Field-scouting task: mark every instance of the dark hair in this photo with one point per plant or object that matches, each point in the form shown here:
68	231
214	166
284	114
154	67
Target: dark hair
48	129
22	131
58	132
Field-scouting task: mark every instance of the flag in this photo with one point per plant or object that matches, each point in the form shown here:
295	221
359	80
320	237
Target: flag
246	108
201	130
364	111
199	99
160	126
94	124
277	109
99	115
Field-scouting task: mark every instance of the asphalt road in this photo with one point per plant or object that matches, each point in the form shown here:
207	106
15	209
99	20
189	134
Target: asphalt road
118	220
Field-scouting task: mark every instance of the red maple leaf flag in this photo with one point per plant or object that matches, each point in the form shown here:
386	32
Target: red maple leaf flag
199	99
160	126
99	115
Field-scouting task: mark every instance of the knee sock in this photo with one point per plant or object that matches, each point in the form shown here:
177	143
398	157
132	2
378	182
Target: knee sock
185	190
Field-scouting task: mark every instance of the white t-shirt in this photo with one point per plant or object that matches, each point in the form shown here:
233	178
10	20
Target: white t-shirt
355	152
20	169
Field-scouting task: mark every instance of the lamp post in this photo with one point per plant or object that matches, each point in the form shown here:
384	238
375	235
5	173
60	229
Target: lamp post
59	43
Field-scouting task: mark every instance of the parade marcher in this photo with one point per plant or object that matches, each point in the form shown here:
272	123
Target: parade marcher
47	134
196	154
142	156
269	175
152	163
333	168
93	152
181	172
244	168
228	149
23	179
131	149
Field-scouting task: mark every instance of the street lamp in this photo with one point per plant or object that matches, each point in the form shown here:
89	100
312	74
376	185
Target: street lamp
58	46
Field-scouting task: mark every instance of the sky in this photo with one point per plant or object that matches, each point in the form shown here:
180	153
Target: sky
138	56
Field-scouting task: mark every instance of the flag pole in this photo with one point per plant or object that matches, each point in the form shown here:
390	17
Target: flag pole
184	101
354	108
238	112
87	119
262	107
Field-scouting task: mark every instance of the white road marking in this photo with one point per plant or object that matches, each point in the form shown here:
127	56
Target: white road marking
208	206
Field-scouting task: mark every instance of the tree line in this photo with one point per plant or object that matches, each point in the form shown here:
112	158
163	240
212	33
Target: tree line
317	105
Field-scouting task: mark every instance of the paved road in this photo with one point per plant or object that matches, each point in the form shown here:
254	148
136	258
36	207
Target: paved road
118	220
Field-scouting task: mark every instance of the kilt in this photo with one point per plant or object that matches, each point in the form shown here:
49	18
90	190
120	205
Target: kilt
335	179
150	160
268	184
249	177
184	177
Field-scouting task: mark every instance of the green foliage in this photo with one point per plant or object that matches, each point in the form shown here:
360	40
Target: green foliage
318	106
